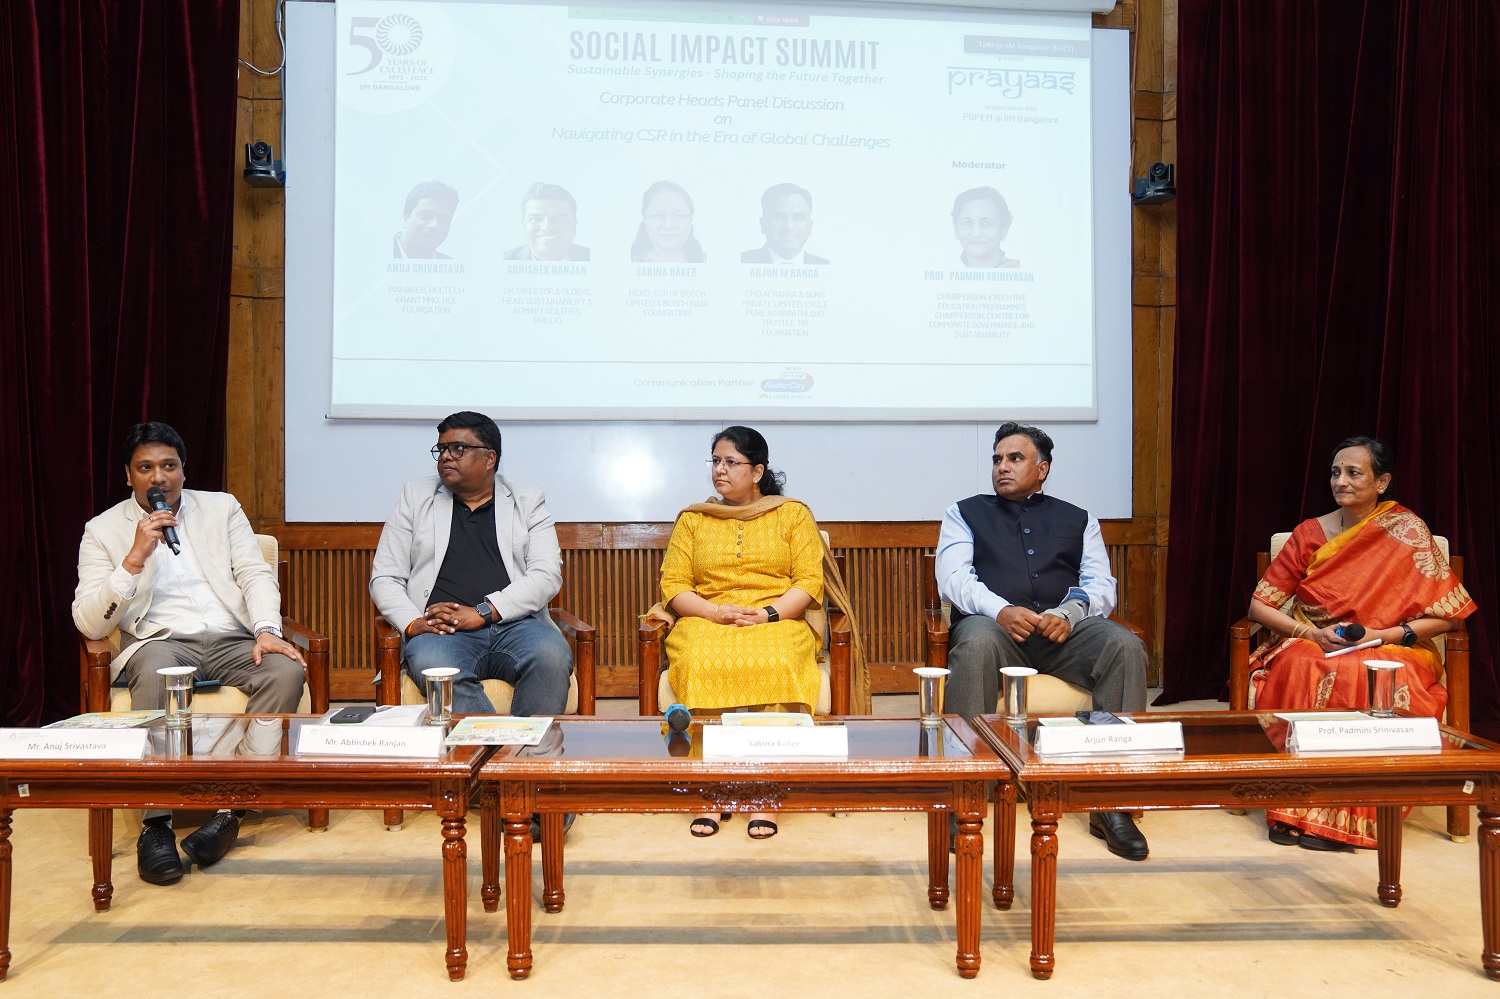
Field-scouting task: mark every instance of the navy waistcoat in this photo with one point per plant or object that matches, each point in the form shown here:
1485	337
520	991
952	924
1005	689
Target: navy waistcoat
1027	552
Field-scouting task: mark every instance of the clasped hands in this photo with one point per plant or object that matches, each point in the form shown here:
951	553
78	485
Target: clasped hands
740	617
445	618
1021	622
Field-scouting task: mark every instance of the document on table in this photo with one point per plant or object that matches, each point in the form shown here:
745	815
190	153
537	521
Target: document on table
498	730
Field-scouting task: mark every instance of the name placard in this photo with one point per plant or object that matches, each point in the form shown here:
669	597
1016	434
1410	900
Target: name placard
774	742
1109	740
1308	735
72	744
424	742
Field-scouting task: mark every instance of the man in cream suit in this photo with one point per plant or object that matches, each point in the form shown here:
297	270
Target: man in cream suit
214	604
466	565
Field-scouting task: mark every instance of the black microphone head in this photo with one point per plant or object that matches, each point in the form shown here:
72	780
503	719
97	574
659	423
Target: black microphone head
1352	632
678	718
156	498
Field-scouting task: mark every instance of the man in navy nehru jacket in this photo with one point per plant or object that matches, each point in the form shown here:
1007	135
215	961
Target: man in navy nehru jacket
1029	582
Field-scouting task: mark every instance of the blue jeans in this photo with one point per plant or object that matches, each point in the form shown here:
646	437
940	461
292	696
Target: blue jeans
530	655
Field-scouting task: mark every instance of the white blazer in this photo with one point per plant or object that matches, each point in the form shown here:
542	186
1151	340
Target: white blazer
226	549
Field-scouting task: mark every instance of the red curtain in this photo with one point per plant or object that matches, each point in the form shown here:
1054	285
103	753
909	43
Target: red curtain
1337	263
117	126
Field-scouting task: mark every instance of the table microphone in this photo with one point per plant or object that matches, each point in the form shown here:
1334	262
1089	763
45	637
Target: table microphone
678	718
1350	632
158	501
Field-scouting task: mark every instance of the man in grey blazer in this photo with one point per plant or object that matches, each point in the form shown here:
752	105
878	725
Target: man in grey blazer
209	601
466	565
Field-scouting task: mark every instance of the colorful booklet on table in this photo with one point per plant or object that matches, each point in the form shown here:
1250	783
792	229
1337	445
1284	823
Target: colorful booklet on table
109	719
498	730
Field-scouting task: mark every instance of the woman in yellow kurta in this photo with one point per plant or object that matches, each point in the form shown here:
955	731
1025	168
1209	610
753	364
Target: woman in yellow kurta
739	573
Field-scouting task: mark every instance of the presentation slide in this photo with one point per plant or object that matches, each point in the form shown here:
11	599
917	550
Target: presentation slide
695	211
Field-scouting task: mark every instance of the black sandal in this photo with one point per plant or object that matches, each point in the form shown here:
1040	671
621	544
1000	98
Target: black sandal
710	827
1284	835
758	824
1323	844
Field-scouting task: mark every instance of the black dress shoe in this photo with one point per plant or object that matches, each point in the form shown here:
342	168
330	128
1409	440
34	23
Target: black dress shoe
156	857
206	845
1119	833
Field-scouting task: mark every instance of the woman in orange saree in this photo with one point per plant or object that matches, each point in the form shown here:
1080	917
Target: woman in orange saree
1370	562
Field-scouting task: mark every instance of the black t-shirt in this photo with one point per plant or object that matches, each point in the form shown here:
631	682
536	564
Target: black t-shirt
472	566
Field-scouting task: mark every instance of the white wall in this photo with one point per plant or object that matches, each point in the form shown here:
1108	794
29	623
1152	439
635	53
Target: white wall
349	470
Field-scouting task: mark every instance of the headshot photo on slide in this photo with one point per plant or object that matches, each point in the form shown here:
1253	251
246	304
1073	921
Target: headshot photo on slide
787	223
666	232
981	221
549	224
425	220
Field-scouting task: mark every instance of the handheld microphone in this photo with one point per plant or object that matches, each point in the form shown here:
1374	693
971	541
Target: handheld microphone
678	718
1350	632
158	501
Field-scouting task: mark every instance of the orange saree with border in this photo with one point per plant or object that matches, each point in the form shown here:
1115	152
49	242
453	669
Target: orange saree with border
1382	572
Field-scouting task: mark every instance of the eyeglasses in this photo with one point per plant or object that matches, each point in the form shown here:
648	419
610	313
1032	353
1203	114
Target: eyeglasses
456	448
728	463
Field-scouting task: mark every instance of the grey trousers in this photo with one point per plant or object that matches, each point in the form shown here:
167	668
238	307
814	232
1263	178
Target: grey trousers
274	687
1100	655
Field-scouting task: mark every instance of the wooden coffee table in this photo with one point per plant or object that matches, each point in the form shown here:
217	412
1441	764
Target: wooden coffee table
198	782
632	766
1235	760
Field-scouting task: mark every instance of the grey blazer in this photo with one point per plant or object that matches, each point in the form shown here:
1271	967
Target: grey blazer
415	539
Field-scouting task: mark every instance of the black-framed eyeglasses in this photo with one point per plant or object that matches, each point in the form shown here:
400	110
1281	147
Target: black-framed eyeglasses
456	448
729	463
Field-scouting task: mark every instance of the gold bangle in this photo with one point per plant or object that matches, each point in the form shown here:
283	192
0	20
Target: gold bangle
1297	630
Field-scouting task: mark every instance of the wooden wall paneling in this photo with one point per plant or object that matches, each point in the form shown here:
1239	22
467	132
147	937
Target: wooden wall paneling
610	578
1123	16
255	403
1154	296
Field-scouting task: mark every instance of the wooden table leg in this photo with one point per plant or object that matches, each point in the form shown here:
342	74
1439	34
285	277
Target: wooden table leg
317	820
5	873
1045	806
1388	841
937	860
517	879
490	834
552	861
455	805
1004	834
969	848
101	852
1489	889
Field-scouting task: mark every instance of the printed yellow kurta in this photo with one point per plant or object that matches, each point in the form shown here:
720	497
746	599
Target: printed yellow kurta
746	563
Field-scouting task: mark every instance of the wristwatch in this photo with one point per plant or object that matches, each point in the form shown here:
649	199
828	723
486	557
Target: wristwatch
1408	637
485	611
771	616
268	628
